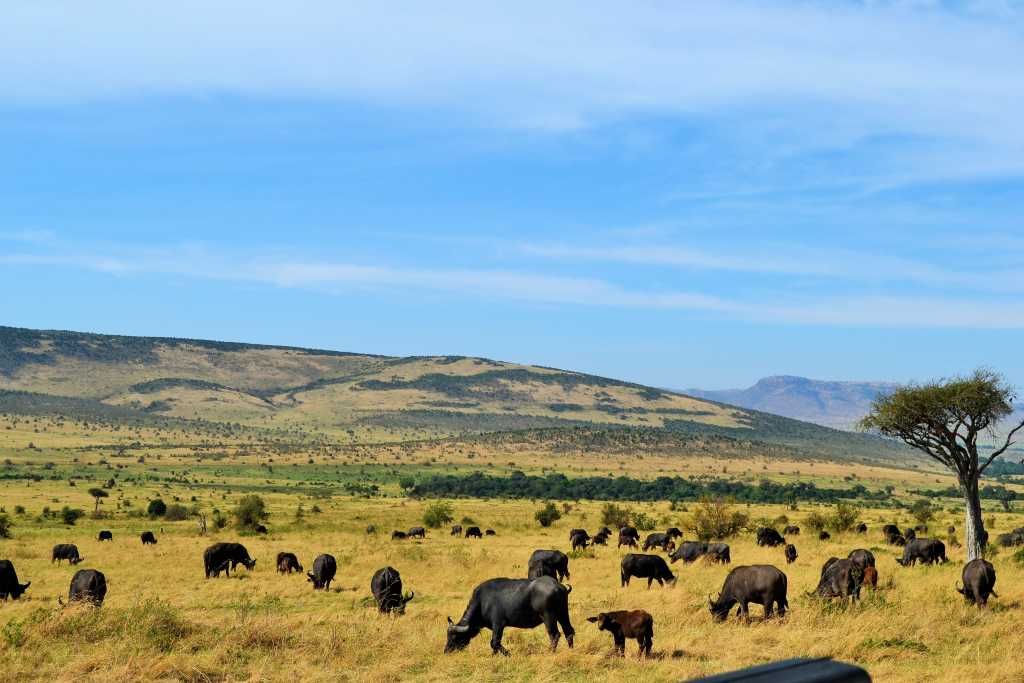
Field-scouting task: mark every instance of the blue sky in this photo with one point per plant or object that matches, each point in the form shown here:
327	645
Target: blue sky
681	194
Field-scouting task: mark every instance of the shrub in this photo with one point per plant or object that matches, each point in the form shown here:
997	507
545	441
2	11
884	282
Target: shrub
250	512
644	522
844	518
922	511
176	513
219	520
468	520
547	515
1018	556
438	514
19	509
816	522
716	519
615	516
71	515
5	526
156	508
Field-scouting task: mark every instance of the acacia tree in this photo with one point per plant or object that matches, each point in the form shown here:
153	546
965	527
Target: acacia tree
944	420
98	494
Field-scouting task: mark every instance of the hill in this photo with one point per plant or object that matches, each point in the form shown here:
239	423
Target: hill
353	397
832	404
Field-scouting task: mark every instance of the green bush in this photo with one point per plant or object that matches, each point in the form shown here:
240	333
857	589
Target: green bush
644	522
250	512
438	514
716	519
71	515
615	516
176	513
922	511
844	518
547	515
219	520
156	508
5	526
816	522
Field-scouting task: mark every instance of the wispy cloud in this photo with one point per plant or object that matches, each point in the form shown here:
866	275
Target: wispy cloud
197	261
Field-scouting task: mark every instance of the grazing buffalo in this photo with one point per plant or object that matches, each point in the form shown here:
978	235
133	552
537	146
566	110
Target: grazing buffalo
719	552
627	624
791	531
927	550
890	532
921	529
899	540
663	541
9	586
417	532
979	582
604	531
650	567
498	604
761	584
553	563
324	569
671	532
828	563
148	538
862	528
689	551
490	532
790	553
627	540
862	558
909	534
840	579
288	563
457	530
370	529
386	586
399	536
260	529
1007	540
871	577
66	551
106	536
769	537
600	539
579	540
824	536
577	532
474	532
220	556
88	585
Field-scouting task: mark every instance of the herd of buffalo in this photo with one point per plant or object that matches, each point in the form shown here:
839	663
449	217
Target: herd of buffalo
543	598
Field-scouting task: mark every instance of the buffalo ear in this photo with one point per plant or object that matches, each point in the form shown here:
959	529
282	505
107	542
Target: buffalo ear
450	622
409	597
593	620
25	587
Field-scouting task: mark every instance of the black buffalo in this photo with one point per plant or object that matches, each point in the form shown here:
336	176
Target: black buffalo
386	586
627	624
399	535
9	586
498	604
840	579
862	558
148	538
979	580
769	537
474	532
553	563
824	536
689	551
927	550
579	540
600	539
219	557
790	553
490	532
629	537
673	532
106	536
719	552
66	551
909	534
862	528
324	569
658	540
370	529
761	584
791	531
457	530
88	585
890	532
574	532
604	531
1012	538
650	567
417	532
259	528
288	563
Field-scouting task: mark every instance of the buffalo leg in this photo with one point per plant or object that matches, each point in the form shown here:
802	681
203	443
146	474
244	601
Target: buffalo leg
645	645
649	582
744	611
496	646
551	624
620	644
625	579
567	628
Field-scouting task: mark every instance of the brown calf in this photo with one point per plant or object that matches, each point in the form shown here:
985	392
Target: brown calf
870	577
627	624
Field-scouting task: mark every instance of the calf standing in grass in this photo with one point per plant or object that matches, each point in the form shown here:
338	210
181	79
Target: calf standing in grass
288	563
324	569
627	624
790	553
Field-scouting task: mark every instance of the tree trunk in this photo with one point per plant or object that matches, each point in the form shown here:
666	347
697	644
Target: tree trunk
974	527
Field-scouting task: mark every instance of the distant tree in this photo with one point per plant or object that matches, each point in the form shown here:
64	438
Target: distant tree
438	514
176	512
98	494
922	511
816	521
547	515
5	526
844	517
944	419
156	508
71	515
715	519
615	516
644	522
250	512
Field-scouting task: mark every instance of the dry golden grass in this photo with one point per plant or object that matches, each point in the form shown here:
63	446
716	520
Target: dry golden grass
164	621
